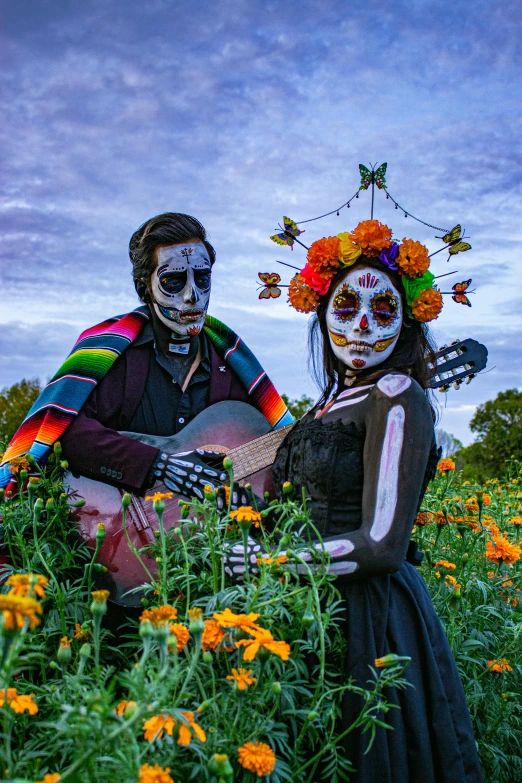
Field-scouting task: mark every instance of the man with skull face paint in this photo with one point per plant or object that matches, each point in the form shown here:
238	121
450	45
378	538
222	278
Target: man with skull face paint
364	456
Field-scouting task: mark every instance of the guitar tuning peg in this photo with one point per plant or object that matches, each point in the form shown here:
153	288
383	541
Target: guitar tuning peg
455	342
442	347
456	385
470	378
444	389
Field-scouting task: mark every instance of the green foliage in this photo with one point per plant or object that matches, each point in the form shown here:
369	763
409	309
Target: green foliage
298	407
15	402
498	424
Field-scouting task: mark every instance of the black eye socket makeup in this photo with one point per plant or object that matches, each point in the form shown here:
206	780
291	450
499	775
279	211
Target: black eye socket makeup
384	308
345	304
173	282
202	278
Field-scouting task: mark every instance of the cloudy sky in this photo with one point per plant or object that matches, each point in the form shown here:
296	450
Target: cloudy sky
240	112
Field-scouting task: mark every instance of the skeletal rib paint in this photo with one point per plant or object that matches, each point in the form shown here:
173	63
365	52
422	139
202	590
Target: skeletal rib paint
388	481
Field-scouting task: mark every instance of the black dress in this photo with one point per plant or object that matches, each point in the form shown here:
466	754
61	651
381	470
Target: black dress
365	465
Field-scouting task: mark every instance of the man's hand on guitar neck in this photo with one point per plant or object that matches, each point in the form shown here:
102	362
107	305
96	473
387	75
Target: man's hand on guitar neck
187	472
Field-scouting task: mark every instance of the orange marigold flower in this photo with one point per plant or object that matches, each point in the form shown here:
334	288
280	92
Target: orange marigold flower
17	609
486	499
156	726
445	564
424	518
445	465
501	549
493	529
413	258
158	615
372	236
100	596
246	514
50	777
257	757
323	255
120	708
502	665
227	619
212	636
451	581
159	496
181	633
302	298
242	678
264	640
81	634
16	464
19	702
155	774
427	306
515	521
471	505
20	584
440	518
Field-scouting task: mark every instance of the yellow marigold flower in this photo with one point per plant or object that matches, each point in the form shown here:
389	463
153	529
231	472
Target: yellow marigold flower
17	609
445	564
158	615
17	464
212	636
451	581
372	236
120	709
268	560
501	549
181	632
195	613
324	254
302	298
159	496
18	702
227	619
501	665
154	774
50	777
21	584
515	521
81	634
471	505
65	641
427	306
424	518
242	678
100	596
413	258
257	757
246	514
348	251
442	519
263	639
445	465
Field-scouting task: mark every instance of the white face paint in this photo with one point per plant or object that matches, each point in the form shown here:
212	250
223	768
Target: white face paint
364	318
180	287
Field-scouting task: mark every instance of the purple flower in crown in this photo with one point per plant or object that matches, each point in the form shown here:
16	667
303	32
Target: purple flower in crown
388	256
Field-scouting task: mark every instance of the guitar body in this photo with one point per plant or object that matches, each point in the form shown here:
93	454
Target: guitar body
224	426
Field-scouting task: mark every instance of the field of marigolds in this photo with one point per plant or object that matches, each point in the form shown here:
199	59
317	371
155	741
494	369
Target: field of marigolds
215	681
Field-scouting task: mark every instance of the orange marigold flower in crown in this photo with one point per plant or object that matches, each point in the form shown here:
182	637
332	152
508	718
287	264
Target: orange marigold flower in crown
19	702
445	564
257	757
212	636
21	584
372	236
50	777
263	640
242	678
155	774
17	609
502	665
181	633
445	466
323	255
227	619
159	614
413	258
427	306
502	550
302	298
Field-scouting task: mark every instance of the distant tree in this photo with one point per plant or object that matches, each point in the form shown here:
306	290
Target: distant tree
15	401
498	424
298	407
448	442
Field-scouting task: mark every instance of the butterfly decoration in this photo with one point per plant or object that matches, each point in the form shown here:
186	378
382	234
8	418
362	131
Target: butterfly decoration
270	282
368	177
460	292
287	237
454	239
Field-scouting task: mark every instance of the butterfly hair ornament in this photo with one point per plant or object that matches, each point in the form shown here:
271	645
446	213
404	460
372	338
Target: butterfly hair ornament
369	239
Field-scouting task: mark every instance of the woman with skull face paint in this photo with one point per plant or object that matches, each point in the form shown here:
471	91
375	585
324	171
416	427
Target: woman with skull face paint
365	455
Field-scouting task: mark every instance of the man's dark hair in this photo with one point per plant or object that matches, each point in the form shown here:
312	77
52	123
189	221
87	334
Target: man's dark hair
171	228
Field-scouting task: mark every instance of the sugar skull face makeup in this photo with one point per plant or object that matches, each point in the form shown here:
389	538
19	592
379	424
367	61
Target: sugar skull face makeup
364	318
180	287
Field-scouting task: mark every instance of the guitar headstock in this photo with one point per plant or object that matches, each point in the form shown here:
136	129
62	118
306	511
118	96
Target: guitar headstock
461	360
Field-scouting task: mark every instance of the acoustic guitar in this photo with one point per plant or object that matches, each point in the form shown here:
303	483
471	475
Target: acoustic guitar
236	429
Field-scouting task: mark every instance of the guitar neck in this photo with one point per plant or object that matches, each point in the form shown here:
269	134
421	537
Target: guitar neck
258	453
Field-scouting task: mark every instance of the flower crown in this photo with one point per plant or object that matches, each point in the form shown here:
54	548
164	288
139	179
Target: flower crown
372	239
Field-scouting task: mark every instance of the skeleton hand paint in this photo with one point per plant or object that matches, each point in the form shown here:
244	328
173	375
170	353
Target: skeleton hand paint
180	287
364	318
187	474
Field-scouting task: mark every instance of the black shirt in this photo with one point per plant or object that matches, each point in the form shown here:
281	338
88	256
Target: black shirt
164	408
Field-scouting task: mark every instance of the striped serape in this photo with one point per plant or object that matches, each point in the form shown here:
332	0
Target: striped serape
92	357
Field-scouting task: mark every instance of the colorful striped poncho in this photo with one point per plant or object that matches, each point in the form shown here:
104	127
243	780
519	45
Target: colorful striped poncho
92	357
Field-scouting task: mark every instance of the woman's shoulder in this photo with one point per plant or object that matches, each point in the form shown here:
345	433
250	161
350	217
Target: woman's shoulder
398	387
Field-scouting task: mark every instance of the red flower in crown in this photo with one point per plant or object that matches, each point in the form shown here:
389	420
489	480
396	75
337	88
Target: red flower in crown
313	279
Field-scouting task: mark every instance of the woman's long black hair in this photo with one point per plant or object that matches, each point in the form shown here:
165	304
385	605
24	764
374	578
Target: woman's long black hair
412	353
